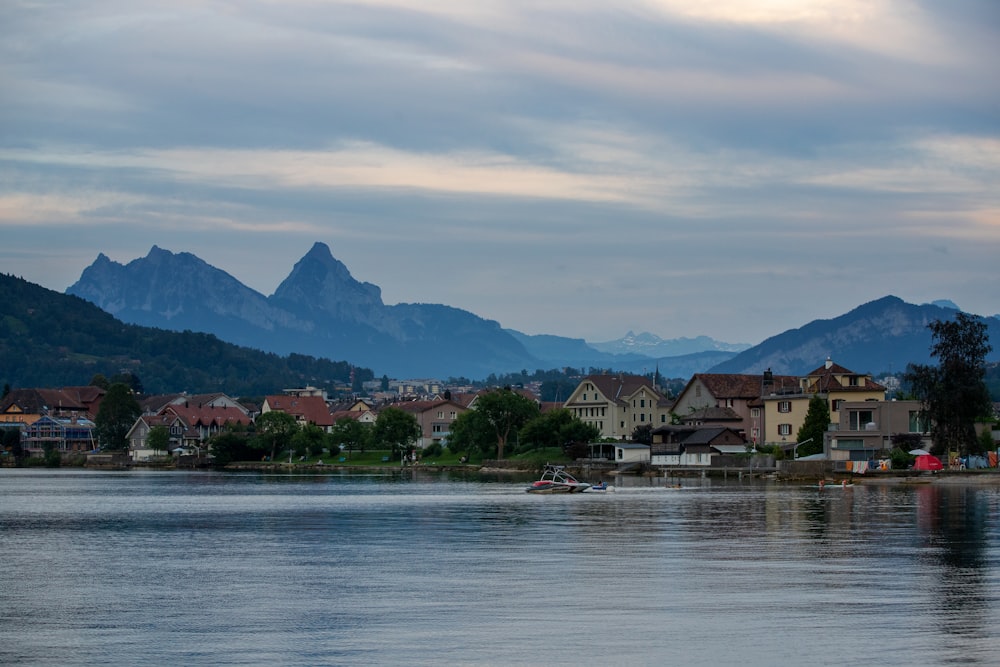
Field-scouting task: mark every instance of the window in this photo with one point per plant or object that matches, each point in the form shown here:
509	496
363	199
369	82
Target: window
917	425
729	403
852	381
440	414
784	406
784	429
642	402
835	404
755	412
453	414
858	419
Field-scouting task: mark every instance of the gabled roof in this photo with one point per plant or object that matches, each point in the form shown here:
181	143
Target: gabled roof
827	378
419	407
704	436
712	414
311	409
195	415
736	385
52	401
618	388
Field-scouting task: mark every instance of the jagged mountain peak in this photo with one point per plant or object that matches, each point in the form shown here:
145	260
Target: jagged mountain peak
321	282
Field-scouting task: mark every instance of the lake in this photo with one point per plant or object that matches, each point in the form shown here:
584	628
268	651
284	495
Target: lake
433	568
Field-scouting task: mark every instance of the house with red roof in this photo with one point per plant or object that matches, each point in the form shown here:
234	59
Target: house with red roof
309	409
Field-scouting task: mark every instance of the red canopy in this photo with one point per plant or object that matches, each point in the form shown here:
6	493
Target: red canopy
927	462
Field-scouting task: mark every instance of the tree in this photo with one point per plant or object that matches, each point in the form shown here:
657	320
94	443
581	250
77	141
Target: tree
100	380
350	434
556	428
954	394
396	429
472	432
274	431
506	411
816	423
158	438
115	417
308	440
229	446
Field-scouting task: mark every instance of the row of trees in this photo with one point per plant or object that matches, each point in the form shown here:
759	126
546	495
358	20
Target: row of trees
501	416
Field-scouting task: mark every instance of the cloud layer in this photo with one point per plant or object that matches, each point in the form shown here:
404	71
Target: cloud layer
728	168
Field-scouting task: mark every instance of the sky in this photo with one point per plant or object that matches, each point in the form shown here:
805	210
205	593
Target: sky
731	168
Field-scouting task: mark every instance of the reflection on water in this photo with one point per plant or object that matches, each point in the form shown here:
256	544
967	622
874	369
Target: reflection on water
439	568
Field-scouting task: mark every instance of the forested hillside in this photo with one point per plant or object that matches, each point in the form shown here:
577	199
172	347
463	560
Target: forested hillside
48	339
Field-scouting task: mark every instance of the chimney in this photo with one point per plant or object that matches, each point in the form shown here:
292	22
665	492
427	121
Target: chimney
829	363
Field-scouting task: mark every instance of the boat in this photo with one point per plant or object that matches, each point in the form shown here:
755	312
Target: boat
555	479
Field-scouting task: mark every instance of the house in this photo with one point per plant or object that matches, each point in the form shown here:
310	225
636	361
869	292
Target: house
310	409
618	404
26	406
676	446
785	409
867	427
731	400
434	417
64	434
631	452
179	435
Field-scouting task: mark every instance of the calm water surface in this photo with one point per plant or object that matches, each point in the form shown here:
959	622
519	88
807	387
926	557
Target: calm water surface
144	568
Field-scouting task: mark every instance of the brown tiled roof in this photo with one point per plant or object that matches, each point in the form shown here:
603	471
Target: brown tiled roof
311	409
734	385
712	414
53	401
195	415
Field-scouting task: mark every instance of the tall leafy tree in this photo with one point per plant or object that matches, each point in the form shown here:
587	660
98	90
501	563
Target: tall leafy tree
308	440
505	411
350	434
954	393
472	432
274	431
396	429
115	417
158	438
556	428
814	426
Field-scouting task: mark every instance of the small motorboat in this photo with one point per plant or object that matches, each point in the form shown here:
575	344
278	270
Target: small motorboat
555	479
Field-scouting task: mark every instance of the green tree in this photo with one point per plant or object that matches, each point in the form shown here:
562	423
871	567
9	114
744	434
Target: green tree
350	434
274	431
115	417
158	438
556	428
506	411
816	423
308	440
953	393
396	429
100	380
229	446
472	432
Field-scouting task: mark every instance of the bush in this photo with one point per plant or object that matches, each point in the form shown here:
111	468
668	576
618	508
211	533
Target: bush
433	449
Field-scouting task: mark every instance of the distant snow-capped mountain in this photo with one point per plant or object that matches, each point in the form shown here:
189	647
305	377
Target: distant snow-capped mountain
651	345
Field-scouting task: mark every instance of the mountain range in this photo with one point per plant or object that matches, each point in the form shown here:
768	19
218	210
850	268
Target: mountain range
321	310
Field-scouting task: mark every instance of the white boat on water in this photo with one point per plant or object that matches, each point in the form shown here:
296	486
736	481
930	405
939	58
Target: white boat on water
555	479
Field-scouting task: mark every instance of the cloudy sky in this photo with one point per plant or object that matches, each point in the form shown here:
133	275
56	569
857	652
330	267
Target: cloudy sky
729	168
